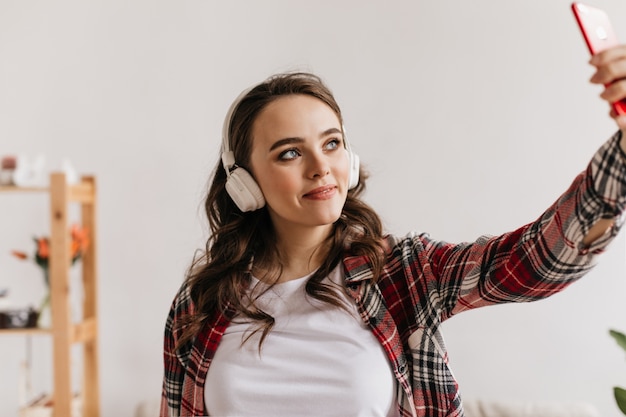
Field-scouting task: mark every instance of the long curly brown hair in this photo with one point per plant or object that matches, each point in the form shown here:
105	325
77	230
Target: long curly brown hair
219	279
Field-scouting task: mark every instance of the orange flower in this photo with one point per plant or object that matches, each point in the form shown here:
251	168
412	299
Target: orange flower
43	248
78	247
18	254
80	241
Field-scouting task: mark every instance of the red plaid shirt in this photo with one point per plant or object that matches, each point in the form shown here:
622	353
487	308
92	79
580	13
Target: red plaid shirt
425	282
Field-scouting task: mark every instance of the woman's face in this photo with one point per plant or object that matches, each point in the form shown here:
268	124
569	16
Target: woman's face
300	162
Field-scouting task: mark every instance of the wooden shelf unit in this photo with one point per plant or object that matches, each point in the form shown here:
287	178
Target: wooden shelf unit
63	330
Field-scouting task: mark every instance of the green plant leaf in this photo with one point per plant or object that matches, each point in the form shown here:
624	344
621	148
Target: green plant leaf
620	398
619	337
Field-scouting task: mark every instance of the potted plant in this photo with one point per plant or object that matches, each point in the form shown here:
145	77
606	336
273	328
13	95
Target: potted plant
41	257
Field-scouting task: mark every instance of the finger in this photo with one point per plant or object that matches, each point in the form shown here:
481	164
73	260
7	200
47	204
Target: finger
614	92
609	72
609	55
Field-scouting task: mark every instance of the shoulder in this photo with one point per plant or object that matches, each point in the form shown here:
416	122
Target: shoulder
409	244
183	303
396	248
181	309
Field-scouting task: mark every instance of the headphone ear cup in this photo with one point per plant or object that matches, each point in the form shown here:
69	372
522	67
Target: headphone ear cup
244	190
354	170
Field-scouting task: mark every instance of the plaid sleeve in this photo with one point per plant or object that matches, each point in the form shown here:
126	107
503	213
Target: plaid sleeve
174	361
538	259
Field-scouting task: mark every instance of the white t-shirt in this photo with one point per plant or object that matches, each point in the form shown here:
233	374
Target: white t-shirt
318	360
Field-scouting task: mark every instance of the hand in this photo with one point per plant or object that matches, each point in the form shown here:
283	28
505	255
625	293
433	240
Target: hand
611	72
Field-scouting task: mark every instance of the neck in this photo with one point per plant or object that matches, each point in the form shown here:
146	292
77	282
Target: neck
302	251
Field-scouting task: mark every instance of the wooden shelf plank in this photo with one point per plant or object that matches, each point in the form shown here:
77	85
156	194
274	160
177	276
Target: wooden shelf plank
59	294
82	193
15	189
80	332
91	392
85	331
25	332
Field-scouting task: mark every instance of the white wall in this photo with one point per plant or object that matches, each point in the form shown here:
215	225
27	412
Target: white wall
483	105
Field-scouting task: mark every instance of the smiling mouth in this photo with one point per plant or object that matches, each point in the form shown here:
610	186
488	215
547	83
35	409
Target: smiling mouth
322	192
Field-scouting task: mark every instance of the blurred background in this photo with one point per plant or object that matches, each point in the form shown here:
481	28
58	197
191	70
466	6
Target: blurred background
472	117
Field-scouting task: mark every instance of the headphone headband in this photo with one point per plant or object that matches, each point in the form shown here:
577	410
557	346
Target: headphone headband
228	157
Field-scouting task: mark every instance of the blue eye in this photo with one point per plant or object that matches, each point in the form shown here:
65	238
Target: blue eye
333	144
288	155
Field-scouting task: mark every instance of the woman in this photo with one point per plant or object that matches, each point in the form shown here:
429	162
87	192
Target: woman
301	304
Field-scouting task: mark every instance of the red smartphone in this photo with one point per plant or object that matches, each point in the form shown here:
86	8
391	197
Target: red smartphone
599	35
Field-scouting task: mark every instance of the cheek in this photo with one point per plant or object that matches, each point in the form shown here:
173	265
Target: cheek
273	180
342	169
278	182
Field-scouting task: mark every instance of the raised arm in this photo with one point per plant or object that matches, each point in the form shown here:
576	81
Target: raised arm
610	71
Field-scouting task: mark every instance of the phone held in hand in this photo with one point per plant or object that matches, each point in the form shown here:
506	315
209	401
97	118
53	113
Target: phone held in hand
599	35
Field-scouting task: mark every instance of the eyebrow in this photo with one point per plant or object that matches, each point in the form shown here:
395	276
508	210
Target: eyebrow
287	141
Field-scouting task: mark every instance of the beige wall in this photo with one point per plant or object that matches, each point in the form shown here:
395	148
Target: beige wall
472	117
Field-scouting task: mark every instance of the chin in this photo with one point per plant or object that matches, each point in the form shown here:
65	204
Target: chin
328	219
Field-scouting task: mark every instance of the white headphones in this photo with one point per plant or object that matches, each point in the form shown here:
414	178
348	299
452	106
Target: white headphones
240	186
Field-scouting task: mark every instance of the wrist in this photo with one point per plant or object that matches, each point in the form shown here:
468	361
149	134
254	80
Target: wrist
622	143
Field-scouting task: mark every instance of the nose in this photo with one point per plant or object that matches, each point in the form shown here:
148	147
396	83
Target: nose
319	165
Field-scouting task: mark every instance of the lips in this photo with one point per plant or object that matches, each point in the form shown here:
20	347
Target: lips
322	193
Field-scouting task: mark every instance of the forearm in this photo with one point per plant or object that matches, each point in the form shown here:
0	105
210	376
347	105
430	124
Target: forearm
545	256
601	227
604	225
